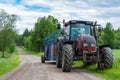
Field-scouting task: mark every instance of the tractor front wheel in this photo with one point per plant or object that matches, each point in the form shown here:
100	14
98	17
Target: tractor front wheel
106	58
67	58
58	58
58	62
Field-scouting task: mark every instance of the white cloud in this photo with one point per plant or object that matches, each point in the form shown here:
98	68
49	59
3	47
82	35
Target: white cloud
27	17
64	9
33	2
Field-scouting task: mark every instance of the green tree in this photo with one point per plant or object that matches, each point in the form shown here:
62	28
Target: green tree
26	33
7	30
42	28
117	39
109	35
101	38
29	41
19	40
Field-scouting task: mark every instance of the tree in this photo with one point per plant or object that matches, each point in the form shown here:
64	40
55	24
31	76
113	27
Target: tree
26	33
7	30
109	35
19	40
117	39
42	28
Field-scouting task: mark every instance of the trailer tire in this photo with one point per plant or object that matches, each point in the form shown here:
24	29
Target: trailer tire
106	58
67	58
43	59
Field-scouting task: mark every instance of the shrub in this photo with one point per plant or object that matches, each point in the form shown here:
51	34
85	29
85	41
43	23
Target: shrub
11	48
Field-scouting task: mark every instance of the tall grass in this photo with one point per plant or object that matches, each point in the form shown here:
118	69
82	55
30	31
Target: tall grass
108	74
10	62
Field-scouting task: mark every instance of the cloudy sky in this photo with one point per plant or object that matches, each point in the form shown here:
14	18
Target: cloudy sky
30	10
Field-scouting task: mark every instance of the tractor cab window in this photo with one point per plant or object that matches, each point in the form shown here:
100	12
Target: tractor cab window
79	28
67	31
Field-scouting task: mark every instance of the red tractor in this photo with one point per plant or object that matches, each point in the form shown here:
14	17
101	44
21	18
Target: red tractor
79	42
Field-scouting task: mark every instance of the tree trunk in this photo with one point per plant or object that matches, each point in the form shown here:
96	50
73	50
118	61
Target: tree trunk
3	54
40	49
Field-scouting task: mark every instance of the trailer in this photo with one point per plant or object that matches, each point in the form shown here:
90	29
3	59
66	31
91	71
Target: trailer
50	47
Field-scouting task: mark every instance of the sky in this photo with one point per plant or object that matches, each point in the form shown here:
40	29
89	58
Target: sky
29	11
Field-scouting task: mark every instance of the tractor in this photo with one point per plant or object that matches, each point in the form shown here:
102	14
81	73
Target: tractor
79	41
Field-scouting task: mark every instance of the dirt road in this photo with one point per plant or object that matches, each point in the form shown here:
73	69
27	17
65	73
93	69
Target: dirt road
31	68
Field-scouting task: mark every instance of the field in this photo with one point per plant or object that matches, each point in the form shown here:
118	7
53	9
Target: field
109	74
11	61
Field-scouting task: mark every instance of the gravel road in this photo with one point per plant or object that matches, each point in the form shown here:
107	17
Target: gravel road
31	68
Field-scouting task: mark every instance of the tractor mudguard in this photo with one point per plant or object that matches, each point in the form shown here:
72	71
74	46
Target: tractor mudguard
101	46
60	40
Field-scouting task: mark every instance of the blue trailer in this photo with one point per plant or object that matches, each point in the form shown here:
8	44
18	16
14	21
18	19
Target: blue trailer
50	47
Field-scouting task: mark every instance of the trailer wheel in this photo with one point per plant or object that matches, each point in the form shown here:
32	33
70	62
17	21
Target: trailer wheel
43	59
67	58
58	58
106	58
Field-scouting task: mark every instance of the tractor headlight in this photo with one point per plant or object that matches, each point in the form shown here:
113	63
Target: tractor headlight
85	45
92	45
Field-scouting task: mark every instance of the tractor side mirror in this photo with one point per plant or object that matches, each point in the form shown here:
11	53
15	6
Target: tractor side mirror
99	29
58	26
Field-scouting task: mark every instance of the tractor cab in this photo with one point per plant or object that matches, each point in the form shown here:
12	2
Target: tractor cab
74	28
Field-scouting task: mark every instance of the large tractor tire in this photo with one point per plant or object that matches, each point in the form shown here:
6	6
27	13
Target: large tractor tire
43	59
67	58
106	58
59	57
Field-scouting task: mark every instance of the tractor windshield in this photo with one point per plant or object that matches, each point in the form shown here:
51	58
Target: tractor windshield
79	28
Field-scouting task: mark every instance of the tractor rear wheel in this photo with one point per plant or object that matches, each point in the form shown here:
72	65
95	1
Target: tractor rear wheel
43	59
58	58
106	58
67	58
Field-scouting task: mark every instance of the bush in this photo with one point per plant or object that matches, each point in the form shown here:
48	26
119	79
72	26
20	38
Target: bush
116	44
11	48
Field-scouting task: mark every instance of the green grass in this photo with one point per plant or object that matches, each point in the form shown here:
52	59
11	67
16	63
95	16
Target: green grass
108	74
7	55
10	62
38	54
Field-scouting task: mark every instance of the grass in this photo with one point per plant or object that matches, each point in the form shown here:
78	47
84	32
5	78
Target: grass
10	62
108	74
7	55
38	54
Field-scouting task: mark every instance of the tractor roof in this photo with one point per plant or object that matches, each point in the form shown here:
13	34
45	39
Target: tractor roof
79	21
